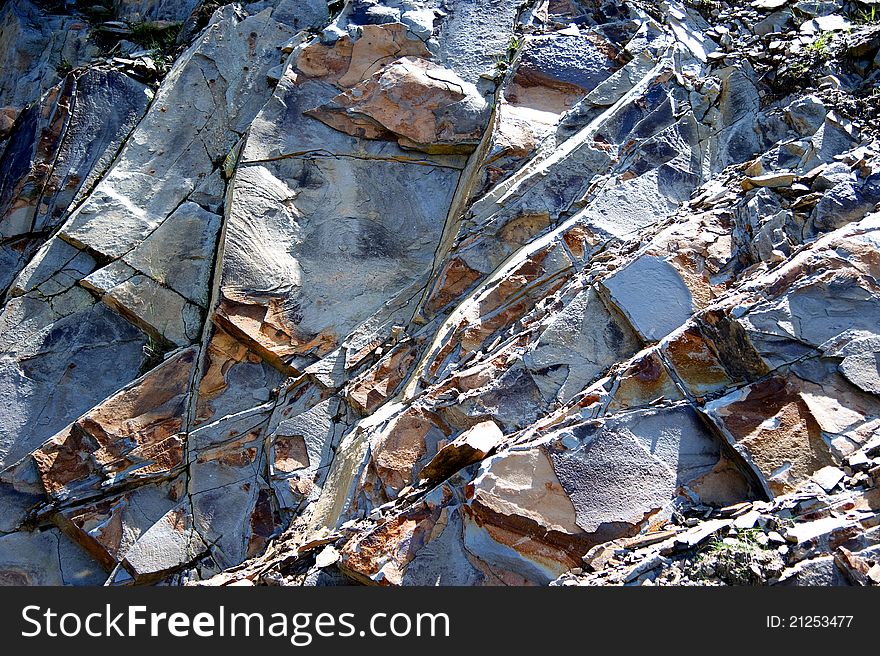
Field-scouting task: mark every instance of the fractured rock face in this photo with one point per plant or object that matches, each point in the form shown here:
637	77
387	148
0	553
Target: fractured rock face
200	112
435	292
422	105
322	259
33	46
471	446
53	371
45	558
585	338
638	286
57	151
134	434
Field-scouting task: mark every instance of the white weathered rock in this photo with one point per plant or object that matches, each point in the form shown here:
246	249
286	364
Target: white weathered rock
828	477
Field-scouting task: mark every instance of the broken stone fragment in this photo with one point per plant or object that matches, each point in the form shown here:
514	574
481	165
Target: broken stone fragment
420	104
178	253
471	446
776	179
817	530
828	477
328	556
829	23
806	114
165	546
747	520
147	303
861	363
771	424
7	120
769	5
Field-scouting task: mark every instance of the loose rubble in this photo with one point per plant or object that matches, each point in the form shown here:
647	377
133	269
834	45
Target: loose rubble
809	537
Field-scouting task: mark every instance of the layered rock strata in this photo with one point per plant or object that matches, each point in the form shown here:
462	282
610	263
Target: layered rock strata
452	292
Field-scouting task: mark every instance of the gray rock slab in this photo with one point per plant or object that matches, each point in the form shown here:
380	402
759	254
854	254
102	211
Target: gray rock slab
585	338
180	253
652	295
50	373
201	110
45	558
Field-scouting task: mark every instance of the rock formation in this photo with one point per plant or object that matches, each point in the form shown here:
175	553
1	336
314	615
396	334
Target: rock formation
456	292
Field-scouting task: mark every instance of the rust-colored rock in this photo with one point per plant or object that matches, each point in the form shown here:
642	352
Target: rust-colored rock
134	435
421	105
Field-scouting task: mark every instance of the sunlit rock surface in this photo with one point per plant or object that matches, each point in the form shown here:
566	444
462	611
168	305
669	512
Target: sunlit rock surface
457	292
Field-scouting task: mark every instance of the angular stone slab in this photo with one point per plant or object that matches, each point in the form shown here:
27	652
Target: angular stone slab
133	436
54	369
652	295
180	253
308	258
45	558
